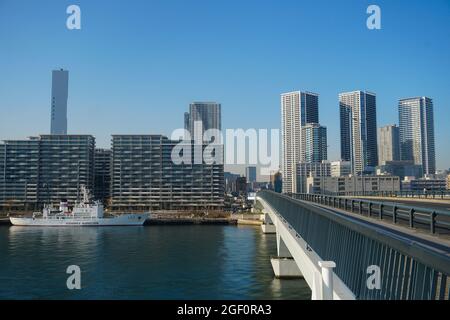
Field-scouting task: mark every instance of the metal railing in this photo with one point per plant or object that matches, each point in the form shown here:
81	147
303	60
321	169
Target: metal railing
414	216
395	194
408	269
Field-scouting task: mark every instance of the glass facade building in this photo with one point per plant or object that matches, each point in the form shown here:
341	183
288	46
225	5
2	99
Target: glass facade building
314	143
417	132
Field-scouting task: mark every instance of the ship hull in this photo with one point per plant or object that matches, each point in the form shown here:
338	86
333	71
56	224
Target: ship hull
122	220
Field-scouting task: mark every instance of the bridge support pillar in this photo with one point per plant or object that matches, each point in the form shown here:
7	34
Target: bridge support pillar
285	267
282	249
268	227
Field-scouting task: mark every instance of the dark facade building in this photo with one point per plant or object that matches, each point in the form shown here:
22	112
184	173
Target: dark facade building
314	143
208	113
102	174
145	177
241	186
45	169
250	174
276	182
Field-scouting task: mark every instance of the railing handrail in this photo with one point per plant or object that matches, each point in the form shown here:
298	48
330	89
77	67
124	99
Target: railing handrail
415	213
420	252
432	194
389	203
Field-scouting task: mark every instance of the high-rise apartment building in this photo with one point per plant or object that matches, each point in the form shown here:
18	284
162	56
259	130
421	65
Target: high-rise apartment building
102	174
206	113
358	118
144	176
46	169
186	121
250	174
314	143
297	109
417	132
388	144
60	91
19	173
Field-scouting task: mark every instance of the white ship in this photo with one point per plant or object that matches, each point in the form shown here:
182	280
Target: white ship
84	214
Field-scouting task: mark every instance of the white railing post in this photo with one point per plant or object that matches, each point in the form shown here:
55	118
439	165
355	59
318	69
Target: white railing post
327	279
316	290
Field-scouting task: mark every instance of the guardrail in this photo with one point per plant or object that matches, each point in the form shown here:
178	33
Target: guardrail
415	216
407	269
395	194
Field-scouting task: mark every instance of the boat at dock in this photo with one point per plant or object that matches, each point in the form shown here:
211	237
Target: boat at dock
84	214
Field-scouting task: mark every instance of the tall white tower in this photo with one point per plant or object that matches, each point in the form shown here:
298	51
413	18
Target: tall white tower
297	109
358	117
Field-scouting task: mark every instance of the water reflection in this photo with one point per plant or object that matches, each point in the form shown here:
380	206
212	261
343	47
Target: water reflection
157	262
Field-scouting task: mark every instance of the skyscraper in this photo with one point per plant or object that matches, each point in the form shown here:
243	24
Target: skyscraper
250	174
314	143
186	121
208	113
297	109
417	132
358	119
388	144
60	88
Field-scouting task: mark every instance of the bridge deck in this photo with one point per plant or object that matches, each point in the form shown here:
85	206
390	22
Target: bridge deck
403	242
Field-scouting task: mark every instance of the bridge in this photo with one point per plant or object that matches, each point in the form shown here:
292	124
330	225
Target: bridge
353	248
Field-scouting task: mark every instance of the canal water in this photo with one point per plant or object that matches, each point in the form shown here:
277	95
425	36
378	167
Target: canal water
154	262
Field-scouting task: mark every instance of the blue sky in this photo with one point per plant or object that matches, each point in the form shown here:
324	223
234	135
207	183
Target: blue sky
135	65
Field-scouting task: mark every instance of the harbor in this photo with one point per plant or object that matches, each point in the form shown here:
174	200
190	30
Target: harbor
171	218
157	262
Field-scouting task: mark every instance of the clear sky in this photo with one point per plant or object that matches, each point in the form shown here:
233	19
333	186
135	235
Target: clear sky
136	65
